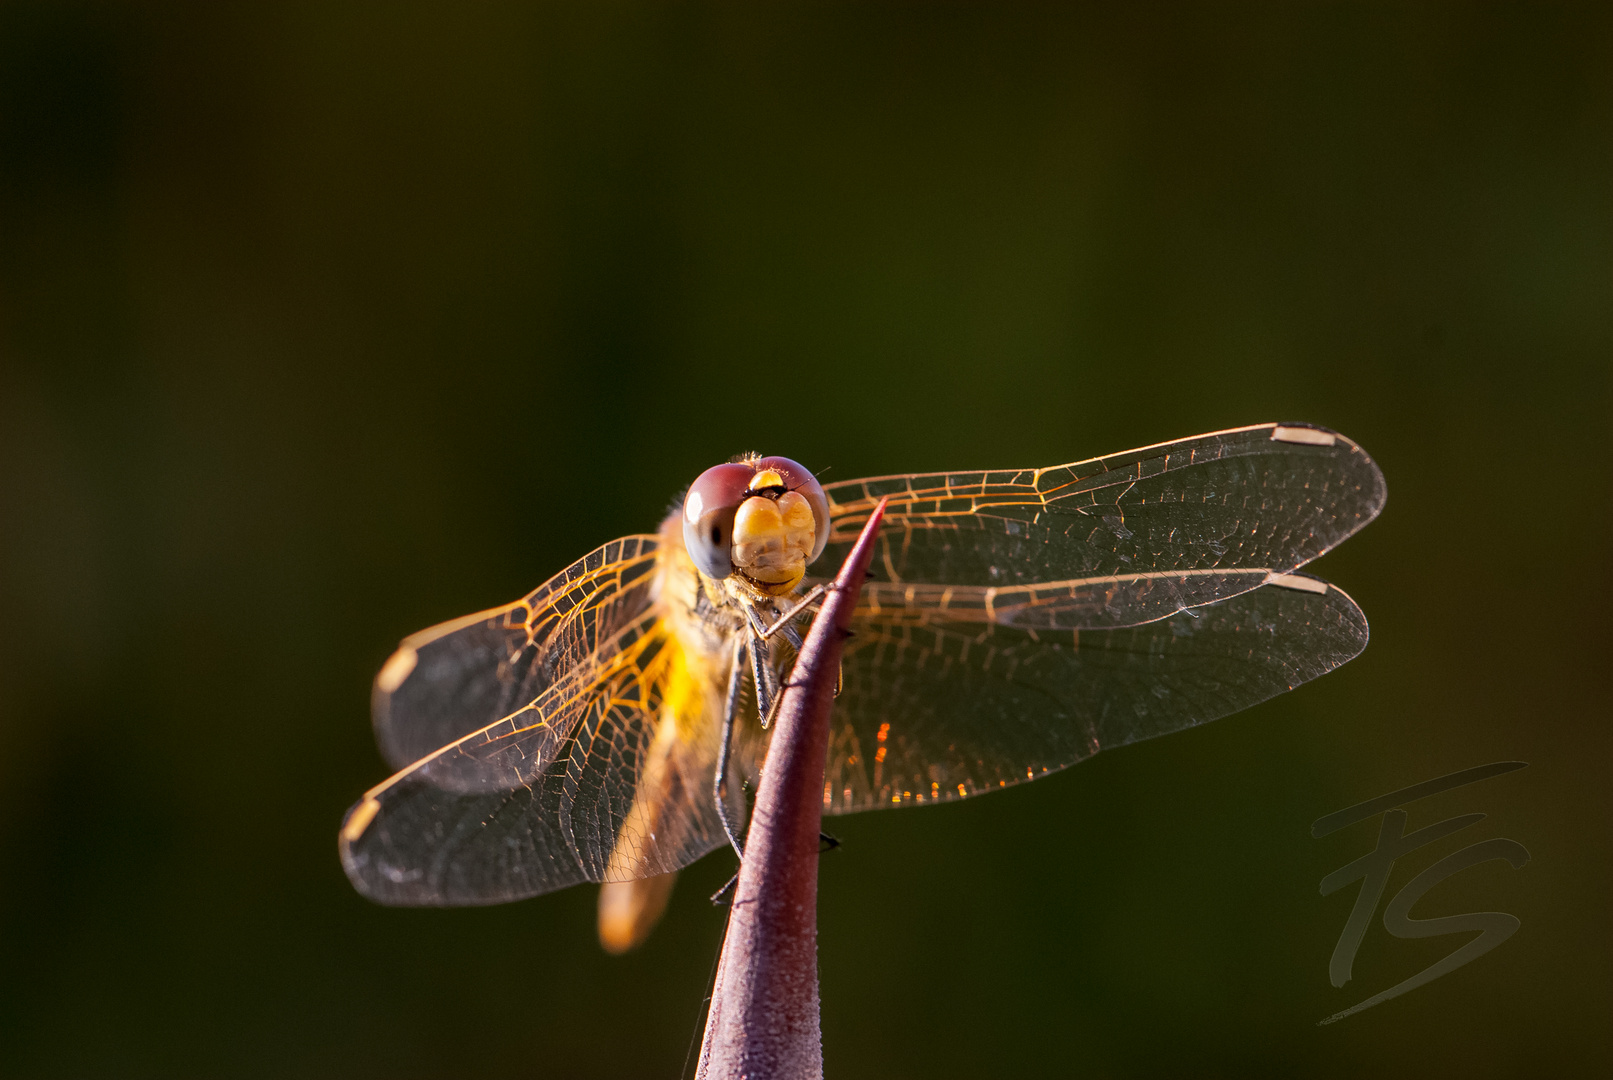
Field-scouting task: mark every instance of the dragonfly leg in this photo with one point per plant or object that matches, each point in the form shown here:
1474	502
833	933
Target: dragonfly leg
793	636
785	621
767	721
766	679
736	681
767	689
721	895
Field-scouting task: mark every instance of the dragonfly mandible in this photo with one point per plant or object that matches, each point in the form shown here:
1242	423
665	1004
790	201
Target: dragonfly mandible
605	726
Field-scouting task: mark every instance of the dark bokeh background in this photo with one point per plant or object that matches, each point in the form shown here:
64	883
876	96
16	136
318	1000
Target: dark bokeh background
318	326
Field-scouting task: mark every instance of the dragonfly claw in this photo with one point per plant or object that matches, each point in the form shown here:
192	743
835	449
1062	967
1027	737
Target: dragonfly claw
720	898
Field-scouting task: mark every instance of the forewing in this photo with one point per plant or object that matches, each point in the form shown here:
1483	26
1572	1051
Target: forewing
460	676
1270	497
599	778
941	708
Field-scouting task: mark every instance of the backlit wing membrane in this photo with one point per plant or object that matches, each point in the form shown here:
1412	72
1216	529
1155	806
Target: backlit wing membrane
460	676
1270	497
1083	604
938	708
589	782
1018	621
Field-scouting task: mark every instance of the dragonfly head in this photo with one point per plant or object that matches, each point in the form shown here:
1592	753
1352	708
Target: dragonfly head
762	519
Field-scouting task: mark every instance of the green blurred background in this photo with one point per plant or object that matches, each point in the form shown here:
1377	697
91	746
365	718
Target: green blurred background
320	323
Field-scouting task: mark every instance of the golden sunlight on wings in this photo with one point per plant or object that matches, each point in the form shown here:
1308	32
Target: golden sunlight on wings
606	775
1018	621
1270	497
937	708
459	676
1097	603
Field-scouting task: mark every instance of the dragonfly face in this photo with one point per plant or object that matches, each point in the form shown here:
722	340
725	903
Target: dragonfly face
759	522
1021	621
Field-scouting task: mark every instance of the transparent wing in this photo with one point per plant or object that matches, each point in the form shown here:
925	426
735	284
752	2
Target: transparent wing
460	676
1270	498
605	776
1086	603
941	706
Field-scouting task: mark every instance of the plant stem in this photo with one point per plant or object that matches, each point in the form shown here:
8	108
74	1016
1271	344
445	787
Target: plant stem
764	1019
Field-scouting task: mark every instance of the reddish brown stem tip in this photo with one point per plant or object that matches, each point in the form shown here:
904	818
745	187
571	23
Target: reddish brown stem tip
764	1019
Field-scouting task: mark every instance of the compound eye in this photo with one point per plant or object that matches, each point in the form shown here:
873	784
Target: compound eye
803	483
708	517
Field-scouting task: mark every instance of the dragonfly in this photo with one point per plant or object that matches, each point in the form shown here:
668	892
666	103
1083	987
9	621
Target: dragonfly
606	726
